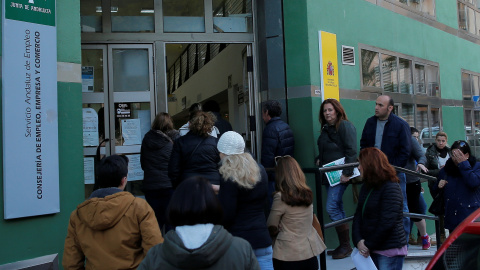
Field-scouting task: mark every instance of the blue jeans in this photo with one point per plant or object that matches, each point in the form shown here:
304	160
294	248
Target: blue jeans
387	263
334	201
403	186
264	257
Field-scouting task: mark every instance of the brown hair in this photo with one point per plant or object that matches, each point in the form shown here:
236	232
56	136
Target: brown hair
341	114
290	182
376	168
202	123
162	122
441	134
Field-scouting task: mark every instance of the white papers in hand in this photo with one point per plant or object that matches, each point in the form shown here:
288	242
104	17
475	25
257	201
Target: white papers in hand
362	263
334	176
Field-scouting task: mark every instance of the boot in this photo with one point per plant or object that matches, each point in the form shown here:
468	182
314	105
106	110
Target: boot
345	248
331	252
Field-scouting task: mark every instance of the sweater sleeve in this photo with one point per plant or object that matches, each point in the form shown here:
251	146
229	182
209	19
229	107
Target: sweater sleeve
276	212
471	176
348	135
417	152
228	197
73	257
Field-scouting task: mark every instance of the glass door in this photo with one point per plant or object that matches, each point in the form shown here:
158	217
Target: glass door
118	105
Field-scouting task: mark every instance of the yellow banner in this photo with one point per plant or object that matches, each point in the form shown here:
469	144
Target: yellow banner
328	65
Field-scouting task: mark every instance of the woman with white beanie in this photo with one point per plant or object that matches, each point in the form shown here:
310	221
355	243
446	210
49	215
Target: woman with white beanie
243	194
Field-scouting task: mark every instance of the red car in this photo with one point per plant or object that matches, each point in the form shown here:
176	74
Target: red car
461	250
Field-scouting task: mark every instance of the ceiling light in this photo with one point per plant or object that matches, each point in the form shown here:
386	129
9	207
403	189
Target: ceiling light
112	9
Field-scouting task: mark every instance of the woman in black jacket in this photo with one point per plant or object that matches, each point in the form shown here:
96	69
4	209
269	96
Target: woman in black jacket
243	194
378	222
154	156
337	140
196	154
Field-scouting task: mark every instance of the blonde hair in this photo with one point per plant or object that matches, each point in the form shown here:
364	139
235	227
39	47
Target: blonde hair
241	169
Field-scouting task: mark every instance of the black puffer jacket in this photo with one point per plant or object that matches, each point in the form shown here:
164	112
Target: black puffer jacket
277	140
154	157
381	224
204	162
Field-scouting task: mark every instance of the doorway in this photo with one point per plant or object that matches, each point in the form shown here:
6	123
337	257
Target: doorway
118	101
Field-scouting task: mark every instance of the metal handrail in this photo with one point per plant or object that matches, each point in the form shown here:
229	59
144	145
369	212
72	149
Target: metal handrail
318	189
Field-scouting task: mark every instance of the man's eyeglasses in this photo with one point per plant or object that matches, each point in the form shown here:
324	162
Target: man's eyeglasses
279	157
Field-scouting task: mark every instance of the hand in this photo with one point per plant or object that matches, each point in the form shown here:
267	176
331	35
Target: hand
458	156
344	179
216	188
442	183
363	249
421	167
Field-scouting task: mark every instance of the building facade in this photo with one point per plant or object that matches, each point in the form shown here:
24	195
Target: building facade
120	62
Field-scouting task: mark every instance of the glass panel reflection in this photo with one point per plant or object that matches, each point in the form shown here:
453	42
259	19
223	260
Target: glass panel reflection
91	15
405	74
132	121
183	16
370	68
130	70
92	70
232	16
133	16
466	86
389	73
419	75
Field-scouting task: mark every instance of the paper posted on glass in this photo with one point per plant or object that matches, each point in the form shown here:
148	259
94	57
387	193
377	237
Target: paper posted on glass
362	263
334	176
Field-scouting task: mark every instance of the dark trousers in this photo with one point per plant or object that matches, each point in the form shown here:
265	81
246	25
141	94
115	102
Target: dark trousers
158	200
308	264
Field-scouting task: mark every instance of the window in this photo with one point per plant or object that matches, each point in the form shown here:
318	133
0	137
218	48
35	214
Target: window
395	73
471	105
470	86
424	6
469	16
426	118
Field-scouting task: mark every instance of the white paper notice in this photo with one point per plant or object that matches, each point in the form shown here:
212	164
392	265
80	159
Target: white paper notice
334	176
90	127
131	131
362	263
87	79
135	171
89	170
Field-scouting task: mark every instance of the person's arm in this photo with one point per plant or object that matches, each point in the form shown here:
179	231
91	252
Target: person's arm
228	199
73	257
418	155
405	143
276	214
357	218
364	140
269	144
471	176
174	165
348	136
149	229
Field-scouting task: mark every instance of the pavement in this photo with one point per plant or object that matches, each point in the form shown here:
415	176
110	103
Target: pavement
417	259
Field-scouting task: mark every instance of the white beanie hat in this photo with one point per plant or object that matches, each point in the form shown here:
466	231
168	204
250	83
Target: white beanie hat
231	143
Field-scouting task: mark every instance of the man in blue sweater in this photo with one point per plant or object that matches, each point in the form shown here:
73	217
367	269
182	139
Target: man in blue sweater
391	134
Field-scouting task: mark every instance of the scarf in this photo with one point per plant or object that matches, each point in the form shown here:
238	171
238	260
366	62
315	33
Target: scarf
442	152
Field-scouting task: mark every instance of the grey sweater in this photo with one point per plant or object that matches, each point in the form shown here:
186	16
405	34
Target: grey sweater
415	155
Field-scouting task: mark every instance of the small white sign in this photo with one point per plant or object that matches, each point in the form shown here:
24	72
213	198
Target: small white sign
89	170
135	171
90	127
131	132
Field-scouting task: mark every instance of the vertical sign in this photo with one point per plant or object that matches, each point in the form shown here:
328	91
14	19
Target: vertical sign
328	65
29	107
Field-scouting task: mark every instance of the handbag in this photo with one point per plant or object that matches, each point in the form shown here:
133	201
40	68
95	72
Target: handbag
438	205
317	227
